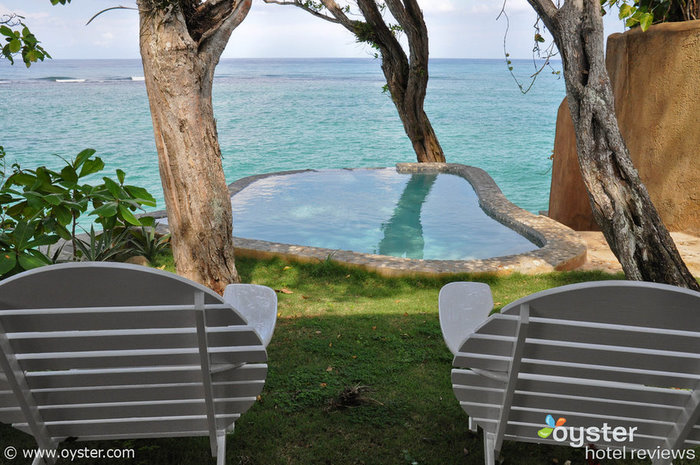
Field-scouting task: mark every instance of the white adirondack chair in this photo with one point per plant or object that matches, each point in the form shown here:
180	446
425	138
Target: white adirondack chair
116	351
617	352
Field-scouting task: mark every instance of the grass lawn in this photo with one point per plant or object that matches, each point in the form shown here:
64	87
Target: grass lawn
358	374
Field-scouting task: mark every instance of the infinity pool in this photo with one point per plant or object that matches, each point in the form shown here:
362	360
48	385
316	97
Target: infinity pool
377	211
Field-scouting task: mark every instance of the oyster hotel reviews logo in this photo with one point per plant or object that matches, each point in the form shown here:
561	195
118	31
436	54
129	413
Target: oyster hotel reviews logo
621	437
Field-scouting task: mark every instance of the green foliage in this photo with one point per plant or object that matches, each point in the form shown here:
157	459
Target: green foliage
40	206
634	14
318	6
21	40
105	246
147	242
644	13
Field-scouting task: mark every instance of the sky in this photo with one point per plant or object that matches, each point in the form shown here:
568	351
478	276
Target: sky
457	29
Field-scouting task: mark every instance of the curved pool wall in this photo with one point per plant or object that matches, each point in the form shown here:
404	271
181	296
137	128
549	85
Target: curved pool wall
375	211
560	248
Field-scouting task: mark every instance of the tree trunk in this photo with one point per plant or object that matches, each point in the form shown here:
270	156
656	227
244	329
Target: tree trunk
620	201
179	74
407	79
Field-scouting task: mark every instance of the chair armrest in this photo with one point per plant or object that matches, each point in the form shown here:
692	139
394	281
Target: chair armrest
463	306
257	304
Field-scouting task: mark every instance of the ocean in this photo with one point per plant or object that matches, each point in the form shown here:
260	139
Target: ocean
283	114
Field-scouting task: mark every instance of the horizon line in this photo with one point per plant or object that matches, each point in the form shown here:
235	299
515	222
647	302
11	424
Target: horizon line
316	58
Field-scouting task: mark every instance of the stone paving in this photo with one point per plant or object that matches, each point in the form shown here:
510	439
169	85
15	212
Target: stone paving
600	257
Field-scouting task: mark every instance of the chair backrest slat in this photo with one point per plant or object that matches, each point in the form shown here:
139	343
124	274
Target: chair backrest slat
142	339
138	376
136	358
112	350
623	352
138	317
595	333
590	354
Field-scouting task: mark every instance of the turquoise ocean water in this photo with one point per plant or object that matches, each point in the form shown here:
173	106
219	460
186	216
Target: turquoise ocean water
281	114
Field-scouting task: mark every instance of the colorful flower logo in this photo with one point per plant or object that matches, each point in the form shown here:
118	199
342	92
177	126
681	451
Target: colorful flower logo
545	432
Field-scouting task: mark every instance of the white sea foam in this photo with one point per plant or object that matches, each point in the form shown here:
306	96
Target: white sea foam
70	80
138	78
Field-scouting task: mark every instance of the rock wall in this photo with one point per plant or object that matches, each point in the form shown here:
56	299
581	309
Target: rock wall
656	82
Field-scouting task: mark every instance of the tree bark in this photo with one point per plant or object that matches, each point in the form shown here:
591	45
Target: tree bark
407	78
179	68
620	201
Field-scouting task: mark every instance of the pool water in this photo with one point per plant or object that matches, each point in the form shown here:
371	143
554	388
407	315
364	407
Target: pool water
377	211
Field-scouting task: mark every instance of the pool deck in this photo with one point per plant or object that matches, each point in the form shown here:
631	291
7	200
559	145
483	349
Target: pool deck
560	248
600	257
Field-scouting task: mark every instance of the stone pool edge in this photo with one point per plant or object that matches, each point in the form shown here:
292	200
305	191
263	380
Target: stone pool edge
561	248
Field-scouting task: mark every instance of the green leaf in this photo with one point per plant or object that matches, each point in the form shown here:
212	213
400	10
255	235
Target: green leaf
21	179
22	234
107	210
646	20
43	177
28	262
15	46
62	214
63	232
43	240
69	175
631	22
113	188
82	157
8	260
16	210
141	195
6	31
30	56
121	176
34	199
626	11
79	206
128	216
53	199
148	221
91	166
539	38
130	203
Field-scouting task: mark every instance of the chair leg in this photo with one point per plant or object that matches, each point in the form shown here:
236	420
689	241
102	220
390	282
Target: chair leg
489	452
221	447
39	460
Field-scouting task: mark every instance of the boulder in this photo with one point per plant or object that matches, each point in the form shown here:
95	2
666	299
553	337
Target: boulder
657	100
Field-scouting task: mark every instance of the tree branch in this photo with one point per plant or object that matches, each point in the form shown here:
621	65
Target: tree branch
381	35
398	12
214	40
410	18
304	7
108	9
335	9
546	9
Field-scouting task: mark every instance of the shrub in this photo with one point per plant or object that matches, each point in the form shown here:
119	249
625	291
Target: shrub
38	207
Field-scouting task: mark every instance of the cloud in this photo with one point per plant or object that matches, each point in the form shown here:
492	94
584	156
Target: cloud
106	39
438	6
495	6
